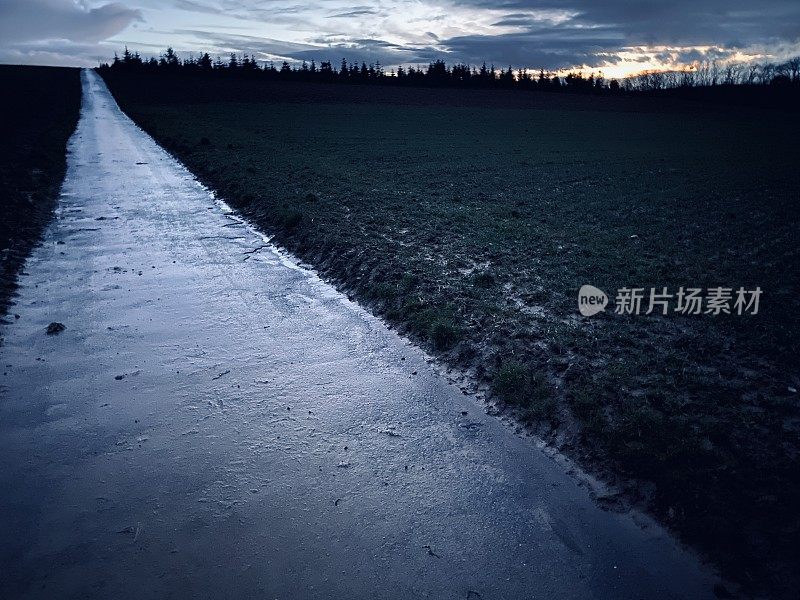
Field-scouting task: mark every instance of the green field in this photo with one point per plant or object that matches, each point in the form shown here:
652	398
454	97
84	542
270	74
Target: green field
33	136
471	224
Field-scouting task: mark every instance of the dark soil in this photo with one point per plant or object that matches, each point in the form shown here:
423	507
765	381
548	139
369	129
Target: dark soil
469	219
40	107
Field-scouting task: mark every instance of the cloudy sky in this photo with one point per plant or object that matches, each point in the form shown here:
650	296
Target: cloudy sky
618	36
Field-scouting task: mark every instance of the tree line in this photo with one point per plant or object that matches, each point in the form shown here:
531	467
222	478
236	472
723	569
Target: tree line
437	73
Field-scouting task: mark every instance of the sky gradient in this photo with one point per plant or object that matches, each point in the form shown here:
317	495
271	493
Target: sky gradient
619	37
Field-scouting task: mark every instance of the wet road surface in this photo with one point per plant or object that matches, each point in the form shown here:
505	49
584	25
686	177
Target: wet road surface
216	422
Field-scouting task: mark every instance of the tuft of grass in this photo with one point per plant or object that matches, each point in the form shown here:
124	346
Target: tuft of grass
519	385
438	325
588	408
444	333
511	382
382	290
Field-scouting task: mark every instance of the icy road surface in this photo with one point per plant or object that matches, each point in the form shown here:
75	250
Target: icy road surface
216	422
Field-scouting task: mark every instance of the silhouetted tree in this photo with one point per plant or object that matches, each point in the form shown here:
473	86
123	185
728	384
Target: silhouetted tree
782	79
205	62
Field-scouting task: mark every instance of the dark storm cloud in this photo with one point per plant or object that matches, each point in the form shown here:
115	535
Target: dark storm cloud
541	46
595	32
676	22
40	20
523	50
